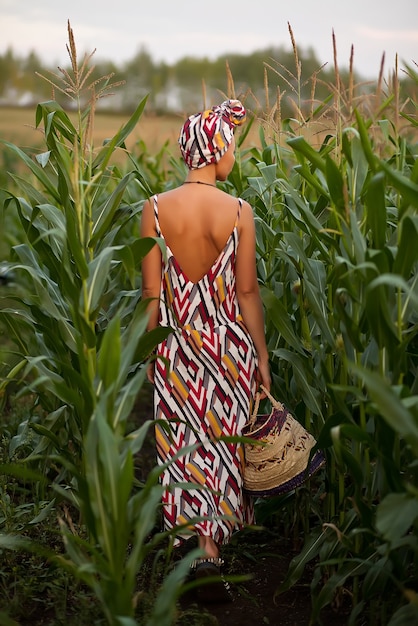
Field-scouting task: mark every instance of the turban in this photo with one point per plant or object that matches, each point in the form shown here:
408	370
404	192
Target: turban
206	136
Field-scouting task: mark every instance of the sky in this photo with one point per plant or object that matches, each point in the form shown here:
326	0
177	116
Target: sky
172	29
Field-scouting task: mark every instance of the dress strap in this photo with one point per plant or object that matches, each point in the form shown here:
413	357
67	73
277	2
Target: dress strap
157	223
238	213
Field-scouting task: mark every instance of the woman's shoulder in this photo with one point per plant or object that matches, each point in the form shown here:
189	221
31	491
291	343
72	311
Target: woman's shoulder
246	210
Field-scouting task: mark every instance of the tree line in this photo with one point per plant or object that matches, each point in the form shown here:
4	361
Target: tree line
266	74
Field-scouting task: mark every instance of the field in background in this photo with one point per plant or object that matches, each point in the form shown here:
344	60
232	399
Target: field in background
17	125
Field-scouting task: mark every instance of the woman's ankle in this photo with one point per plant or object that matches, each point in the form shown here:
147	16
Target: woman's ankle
209	546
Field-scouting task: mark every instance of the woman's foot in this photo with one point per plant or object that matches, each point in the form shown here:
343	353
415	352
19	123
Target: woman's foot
207	567
209	546
213	588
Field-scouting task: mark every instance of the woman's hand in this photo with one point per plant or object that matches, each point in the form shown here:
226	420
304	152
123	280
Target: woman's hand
150	372
263	376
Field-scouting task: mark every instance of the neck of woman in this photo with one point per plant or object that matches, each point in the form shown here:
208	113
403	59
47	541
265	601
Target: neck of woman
203	176
199	182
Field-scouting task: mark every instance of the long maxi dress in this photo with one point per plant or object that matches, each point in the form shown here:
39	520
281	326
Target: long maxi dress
204	392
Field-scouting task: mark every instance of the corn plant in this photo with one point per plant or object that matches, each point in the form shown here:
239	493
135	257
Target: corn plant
81	346
337	259
337	255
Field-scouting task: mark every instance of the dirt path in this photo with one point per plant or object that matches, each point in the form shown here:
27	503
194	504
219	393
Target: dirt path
254	601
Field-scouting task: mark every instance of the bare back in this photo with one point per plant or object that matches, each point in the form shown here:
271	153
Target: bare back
196	223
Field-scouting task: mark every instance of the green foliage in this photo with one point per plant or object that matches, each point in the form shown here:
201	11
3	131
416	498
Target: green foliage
120	520
337	261
81	350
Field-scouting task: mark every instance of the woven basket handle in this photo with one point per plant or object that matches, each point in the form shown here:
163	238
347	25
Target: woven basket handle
274	403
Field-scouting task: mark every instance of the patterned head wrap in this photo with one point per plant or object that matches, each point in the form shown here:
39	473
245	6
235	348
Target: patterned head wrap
206	136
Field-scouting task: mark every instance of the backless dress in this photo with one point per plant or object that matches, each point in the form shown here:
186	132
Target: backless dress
204	385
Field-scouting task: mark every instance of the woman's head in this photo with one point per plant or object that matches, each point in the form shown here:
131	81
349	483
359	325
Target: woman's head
206	136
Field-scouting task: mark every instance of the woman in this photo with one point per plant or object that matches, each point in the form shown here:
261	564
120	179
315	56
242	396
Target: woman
206	289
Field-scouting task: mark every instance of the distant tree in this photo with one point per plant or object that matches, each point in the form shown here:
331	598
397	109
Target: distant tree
144	77
141	67
190	71
9	70
27	80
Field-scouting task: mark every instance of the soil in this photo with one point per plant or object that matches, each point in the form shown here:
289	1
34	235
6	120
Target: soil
255	602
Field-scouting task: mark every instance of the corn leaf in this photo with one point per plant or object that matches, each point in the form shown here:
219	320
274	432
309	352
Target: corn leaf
376	209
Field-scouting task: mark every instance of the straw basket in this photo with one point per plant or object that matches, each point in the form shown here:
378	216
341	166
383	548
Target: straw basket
279	458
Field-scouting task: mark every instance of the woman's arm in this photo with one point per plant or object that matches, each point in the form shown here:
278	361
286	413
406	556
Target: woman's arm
151	266
248	292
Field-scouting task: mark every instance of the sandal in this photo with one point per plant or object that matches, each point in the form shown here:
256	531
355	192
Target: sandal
216	590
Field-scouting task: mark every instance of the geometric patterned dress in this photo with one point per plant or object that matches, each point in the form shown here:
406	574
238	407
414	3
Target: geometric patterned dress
204	390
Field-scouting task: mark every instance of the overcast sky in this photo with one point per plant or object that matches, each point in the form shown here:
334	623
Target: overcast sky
171	29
